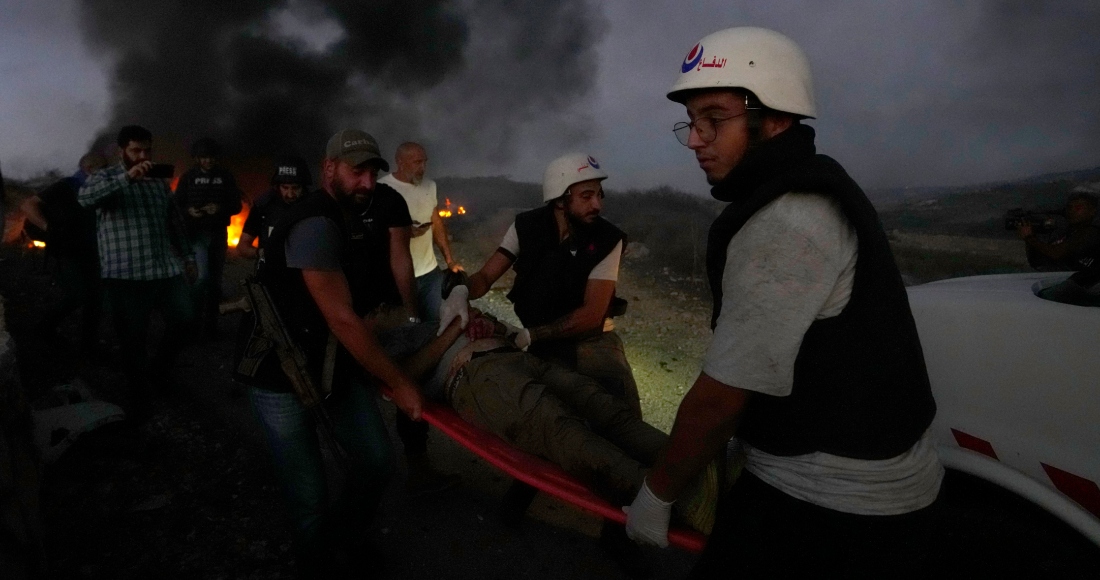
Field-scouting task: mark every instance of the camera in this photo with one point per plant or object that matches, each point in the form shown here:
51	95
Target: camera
161	171
1041	222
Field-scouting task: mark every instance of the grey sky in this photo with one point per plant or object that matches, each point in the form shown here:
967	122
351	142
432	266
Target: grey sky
908	93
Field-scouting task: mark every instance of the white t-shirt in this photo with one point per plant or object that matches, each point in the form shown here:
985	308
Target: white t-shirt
607	269
794	262
422	201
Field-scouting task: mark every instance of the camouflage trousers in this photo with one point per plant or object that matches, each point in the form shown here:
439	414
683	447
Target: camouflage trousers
601	357
560	415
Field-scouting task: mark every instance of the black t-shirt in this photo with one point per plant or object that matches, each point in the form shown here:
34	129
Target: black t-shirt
72	228
263	216
370	237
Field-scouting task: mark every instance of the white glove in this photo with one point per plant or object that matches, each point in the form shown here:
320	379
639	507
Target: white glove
647	518
457	305
522	339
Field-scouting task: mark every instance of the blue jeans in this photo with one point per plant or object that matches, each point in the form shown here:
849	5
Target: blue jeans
429	294
320	527
210	250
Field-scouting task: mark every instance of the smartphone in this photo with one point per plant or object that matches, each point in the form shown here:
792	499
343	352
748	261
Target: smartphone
161	171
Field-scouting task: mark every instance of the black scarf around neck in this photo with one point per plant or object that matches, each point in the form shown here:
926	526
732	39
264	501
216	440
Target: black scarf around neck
764	161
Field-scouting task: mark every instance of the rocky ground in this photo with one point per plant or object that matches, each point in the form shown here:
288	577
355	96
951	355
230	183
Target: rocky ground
194	498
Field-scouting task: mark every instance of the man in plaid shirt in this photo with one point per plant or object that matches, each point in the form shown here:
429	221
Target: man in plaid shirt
143	256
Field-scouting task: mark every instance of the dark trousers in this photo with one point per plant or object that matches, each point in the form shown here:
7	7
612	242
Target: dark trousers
78	279
132	302
761	532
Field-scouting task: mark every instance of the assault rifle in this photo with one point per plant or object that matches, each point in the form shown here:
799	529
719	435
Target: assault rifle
270	334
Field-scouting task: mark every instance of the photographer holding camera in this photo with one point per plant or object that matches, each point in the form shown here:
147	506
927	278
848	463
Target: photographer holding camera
1066	252
145	261
1078	250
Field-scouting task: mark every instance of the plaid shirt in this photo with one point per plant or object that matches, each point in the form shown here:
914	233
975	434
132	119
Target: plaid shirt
139	231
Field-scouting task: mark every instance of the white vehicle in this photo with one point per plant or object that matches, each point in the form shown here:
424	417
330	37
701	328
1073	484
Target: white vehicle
1017	385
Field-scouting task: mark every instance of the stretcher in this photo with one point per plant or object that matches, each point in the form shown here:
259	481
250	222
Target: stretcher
539	473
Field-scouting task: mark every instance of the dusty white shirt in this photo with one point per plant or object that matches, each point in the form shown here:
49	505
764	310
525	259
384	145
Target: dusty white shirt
422	201
607	269
792	263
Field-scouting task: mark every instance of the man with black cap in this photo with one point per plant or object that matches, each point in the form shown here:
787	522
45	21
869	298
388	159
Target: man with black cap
208	196
325	266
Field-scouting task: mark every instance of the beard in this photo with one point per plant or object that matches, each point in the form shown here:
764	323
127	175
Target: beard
350	200
128	162
578	224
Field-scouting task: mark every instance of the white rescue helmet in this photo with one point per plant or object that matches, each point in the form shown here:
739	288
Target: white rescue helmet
763	61
566	170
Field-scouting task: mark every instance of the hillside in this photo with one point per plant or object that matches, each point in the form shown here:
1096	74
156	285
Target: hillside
977	210
936	232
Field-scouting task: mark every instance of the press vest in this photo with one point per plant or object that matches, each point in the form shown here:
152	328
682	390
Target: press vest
197	188
551	275
860	388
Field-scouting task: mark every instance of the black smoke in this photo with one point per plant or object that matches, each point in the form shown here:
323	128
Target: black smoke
463	76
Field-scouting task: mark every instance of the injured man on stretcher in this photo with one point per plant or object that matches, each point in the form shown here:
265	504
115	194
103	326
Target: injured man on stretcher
541	408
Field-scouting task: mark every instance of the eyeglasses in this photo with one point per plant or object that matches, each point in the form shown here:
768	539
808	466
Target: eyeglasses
707	127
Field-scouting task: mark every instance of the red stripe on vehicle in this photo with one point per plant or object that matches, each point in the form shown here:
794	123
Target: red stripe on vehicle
968	441
1081	490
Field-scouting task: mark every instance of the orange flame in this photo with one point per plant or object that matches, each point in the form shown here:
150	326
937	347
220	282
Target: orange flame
236	225
447	212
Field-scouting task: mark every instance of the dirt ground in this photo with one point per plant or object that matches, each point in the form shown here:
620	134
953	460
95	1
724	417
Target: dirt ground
196	498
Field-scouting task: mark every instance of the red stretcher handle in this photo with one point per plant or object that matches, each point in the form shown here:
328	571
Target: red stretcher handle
540	473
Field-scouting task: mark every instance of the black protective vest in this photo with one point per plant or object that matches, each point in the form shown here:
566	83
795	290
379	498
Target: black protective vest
860	389
197	188
296	306
551	275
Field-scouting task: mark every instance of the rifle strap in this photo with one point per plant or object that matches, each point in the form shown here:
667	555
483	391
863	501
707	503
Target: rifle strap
329	367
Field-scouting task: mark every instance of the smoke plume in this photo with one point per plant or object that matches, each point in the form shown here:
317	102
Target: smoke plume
270	77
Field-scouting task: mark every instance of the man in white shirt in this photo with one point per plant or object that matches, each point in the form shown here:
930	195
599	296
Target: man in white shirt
815	364
428	227
566	259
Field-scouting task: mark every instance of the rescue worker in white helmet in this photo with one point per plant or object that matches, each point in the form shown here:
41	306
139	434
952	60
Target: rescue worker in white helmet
815	364
566	258
290	180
